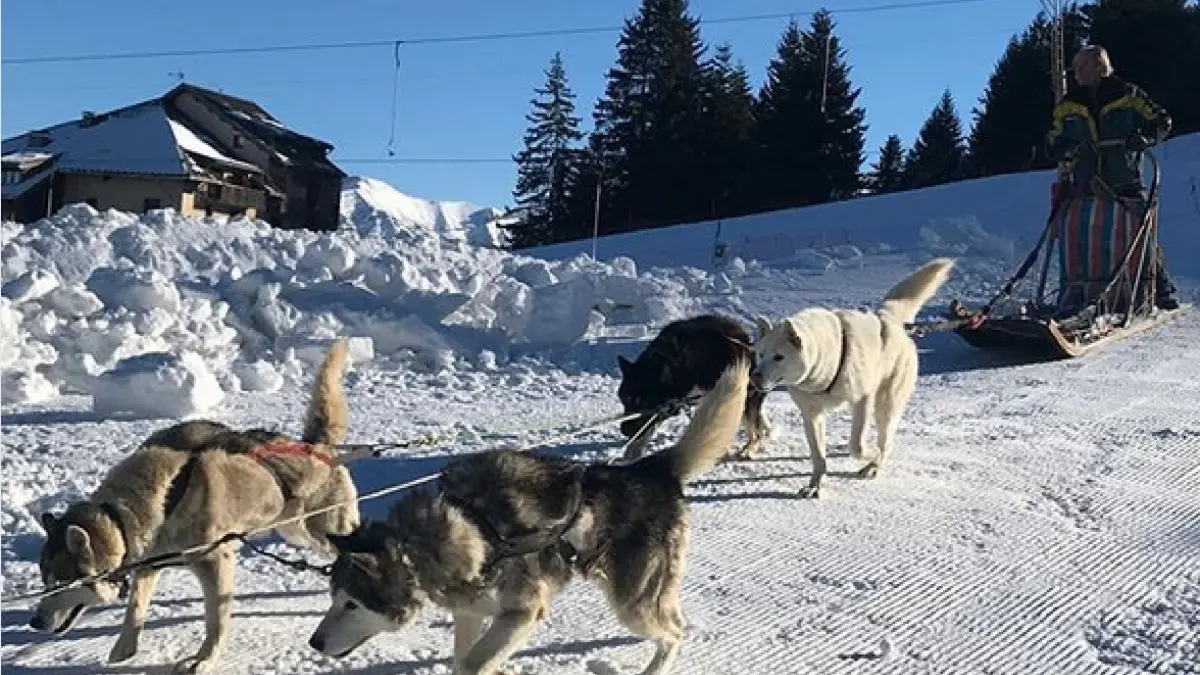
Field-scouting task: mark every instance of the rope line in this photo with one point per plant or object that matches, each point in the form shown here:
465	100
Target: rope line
180	557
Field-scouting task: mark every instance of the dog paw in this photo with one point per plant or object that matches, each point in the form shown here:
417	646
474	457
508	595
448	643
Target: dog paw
193	664
746	453
810	492
868	472
124	650
864	452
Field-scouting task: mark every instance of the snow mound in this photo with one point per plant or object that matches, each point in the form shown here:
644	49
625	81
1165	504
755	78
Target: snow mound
964	236
158	384
84	291
809	259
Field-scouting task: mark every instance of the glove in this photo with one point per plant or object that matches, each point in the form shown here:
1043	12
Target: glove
1136	143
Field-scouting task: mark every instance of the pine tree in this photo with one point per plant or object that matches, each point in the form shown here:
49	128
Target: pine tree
887	174
543	165
938	155
649	121
728	125
1014	113
809	133
1153	43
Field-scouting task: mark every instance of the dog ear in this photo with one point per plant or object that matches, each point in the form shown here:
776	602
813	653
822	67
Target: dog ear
78	541
625	364
346	543
792	334
762	325
49	522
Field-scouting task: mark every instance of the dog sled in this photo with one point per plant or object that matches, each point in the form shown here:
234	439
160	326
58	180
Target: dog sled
1103	252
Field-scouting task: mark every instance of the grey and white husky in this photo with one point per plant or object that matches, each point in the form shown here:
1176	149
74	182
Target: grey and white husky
189	485
507	530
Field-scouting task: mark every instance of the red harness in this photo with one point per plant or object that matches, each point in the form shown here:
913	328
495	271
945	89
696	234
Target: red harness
266	450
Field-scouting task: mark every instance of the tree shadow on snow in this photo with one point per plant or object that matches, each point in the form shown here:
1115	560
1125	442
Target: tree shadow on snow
945	353
84	669
26	545
792	495
40	417
598	356
575	647
18	633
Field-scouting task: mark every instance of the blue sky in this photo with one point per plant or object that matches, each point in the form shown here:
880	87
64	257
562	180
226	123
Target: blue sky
456	100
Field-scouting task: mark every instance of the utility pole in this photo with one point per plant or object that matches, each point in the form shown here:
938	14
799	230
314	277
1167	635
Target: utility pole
1058	67
825	78
596	210
1058	61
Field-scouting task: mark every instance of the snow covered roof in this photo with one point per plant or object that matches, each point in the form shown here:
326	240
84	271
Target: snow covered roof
256	120
26	160
189	142
137	139
140	139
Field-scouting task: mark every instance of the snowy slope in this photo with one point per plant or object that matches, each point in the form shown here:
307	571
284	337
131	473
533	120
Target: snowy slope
1015	206
1035	518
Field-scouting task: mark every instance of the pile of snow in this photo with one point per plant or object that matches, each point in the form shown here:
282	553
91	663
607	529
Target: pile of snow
85	294
962	237
157	384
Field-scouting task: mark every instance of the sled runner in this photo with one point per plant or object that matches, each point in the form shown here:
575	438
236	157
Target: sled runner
1104	252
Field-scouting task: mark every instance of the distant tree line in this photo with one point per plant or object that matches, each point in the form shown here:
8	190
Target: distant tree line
679	135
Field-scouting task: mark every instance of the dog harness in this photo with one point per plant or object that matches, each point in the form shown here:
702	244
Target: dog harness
504	547
260	452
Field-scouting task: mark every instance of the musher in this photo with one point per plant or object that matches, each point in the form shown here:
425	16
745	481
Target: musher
1101	128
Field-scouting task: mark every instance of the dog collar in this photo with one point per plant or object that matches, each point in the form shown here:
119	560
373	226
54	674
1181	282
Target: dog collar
837	375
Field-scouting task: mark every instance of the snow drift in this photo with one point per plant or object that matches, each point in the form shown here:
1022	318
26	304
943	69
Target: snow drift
961	217
85	294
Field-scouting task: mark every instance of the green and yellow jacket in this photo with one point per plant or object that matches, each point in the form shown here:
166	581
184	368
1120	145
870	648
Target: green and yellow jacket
1101	132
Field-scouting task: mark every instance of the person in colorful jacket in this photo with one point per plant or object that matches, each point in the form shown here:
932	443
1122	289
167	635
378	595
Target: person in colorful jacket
1100	129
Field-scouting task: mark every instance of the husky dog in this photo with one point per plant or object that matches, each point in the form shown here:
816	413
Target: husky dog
507	531
686	357
829	358
189	485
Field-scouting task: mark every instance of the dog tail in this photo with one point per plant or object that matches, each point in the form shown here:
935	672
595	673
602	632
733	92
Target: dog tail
712	429
328	416
907	297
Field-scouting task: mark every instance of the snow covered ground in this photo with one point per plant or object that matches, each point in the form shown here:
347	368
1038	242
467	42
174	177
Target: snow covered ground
1036	518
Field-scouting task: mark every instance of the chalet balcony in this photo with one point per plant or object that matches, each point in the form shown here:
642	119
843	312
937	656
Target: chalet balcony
228	198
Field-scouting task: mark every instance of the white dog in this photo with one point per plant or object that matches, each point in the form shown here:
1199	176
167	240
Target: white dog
828	358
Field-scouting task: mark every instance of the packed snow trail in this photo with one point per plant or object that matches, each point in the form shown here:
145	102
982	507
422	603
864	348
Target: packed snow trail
1034	518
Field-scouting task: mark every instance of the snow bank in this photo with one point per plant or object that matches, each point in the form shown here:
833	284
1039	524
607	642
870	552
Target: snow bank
86	293
158	384
1011	207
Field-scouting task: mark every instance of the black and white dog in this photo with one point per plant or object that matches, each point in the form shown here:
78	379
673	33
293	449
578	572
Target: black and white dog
686	358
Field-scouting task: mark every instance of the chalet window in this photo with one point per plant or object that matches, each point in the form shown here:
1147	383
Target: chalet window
237	141
149	205
12	176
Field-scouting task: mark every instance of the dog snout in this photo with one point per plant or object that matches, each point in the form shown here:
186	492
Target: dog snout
317	642
38	622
